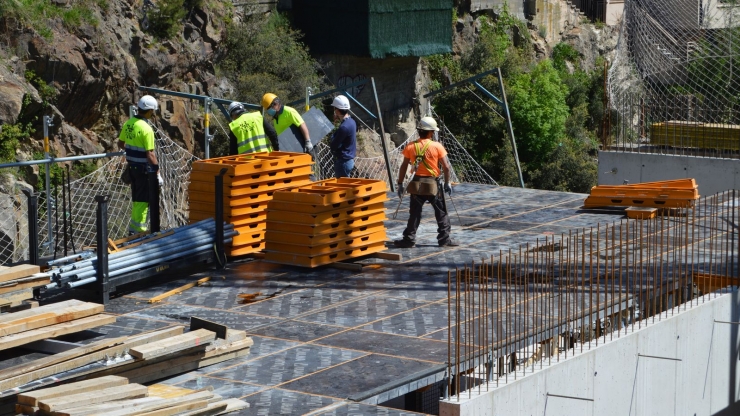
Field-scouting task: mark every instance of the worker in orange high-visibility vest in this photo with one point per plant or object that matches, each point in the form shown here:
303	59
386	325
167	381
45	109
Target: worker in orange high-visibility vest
425	185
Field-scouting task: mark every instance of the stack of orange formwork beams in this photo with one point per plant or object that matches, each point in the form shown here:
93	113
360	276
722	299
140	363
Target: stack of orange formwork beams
680	193
326	222
249	184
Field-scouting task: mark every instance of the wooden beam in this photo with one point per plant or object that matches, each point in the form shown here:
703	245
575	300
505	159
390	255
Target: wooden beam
58	358
15	297
177	409
144	372
218	329
34	397
194	397
200	337
49	370
17	272
178	290
103	408
26	284
54	331
213	408
39	310
387	256
52	317
92	396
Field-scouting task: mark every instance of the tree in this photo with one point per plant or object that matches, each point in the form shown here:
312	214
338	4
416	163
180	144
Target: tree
538	111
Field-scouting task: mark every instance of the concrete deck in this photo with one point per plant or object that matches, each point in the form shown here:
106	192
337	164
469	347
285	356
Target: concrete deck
337	342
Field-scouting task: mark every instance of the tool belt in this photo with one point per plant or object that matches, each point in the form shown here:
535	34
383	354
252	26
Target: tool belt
422	185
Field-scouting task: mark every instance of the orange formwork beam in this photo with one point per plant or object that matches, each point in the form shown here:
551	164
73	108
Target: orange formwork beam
256	177
340	225
333	191
245	249
327	248
612	192
228	211
327	217
315	261
253	163
596	201
273	236
317	209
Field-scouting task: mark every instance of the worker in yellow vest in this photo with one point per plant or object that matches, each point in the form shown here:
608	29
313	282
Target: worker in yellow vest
251	132
137	139
426	185
284	116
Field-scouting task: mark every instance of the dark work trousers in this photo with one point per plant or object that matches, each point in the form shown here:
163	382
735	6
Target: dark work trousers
440	212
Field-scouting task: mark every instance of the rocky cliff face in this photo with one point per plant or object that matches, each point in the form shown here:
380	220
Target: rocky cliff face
96	71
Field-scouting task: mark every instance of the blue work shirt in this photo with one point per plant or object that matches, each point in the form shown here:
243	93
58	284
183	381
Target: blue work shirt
343	142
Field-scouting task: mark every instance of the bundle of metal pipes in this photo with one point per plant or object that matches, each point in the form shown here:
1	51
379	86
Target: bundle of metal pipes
184	241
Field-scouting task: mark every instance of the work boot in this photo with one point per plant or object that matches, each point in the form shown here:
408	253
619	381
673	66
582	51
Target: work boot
404	243
449	243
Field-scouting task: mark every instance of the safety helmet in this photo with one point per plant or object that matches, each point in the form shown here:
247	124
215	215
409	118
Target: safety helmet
235	106
428	123
341	102
148	102
267	99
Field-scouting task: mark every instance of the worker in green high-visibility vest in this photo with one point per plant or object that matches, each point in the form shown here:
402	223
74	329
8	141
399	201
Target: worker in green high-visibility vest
137	139
284	116
251	132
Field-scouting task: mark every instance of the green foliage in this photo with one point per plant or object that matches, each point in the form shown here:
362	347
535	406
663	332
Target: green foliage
82	168
56	173
166	19
47	92
570	167
563	52
264	54
36	13
11	135
538	111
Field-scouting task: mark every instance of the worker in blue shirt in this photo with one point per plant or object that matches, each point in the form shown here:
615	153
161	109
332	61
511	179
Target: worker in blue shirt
343	142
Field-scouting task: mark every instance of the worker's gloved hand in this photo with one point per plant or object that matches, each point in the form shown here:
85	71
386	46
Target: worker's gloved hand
159	179
448	188
308	147
400	191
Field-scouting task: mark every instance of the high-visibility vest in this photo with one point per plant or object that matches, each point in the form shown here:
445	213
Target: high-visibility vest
250	133
420	151
138	137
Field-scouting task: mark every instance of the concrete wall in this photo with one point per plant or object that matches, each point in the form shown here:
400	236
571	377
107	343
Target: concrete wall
612	379
711	174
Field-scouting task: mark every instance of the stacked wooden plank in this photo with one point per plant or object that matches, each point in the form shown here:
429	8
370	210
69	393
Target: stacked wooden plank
326	222
696	135
140	358
115	396
678	193
17	283
249	184
24	327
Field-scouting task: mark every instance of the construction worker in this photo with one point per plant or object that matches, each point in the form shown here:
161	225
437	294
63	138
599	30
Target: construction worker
283	117
426	185
343	142
251	132
137	139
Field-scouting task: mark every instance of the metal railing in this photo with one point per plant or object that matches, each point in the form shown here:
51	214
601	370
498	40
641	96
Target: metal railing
538	304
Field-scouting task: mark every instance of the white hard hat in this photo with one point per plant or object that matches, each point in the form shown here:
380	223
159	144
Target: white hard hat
148	102
235	106
428	123
341	102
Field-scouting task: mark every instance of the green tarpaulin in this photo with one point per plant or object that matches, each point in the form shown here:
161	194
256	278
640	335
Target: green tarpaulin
376	28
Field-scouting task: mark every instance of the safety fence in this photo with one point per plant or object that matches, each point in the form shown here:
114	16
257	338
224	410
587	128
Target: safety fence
537	304
71	208
682	125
